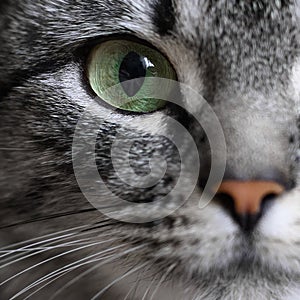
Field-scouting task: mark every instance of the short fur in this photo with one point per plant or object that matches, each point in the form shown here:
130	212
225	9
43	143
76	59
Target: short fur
243	57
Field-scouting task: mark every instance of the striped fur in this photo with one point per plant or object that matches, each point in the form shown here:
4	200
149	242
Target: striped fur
243	57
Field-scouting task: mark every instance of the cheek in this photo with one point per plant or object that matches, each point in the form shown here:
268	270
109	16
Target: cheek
295	82
283	220
293	294
210	222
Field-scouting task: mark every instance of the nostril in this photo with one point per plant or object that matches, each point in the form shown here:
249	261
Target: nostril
226	201
246	221
247	202
267	202
224	196
269	197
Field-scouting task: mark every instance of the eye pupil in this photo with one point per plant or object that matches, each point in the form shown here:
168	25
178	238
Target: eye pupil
120	72
133	66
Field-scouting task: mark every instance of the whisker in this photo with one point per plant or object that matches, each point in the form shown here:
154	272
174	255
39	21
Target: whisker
46	247
55	274
41	237
148	289
89	226
54	216
142	275
130	291
14	258
163	278
132	271
74	280
16	149
152	281
70	267
21	257
55	257
26	248
63	273
49	247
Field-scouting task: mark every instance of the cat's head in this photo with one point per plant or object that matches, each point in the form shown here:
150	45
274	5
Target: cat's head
241	57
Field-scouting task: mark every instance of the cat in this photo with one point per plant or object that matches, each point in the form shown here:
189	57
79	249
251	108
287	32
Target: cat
242	57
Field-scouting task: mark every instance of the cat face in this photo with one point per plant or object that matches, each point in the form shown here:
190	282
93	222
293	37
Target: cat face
242	58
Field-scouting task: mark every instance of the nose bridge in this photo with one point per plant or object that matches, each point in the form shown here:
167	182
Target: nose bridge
256	145
258	156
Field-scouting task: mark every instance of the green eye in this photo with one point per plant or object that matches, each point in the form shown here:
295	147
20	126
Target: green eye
118	62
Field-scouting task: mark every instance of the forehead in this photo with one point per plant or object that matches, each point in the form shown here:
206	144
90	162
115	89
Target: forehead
192	21
247	42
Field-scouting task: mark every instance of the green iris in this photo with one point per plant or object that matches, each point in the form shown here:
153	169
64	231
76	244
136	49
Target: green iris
130	65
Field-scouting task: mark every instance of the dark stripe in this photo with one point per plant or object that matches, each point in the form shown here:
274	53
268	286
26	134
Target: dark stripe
50	217
3	3
19	77
164	16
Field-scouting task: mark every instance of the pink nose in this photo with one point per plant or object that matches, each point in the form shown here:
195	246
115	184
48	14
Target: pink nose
246	199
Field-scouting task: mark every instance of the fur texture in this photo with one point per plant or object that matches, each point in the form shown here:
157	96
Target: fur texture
243	57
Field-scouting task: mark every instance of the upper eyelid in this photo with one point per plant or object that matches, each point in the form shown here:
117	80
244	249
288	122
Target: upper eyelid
85	48
83	52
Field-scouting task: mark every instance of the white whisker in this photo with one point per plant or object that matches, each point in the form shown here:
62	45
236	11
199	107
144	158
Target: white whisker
163	278
41	237
21	257
129	292
63	273
117	280
148	289
95	267
66	269
135	286
55	257
36	244
75	229
46	247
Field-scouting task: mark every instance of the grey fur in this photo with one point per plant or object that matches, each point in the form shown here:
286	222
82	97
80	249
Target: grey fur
243	57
